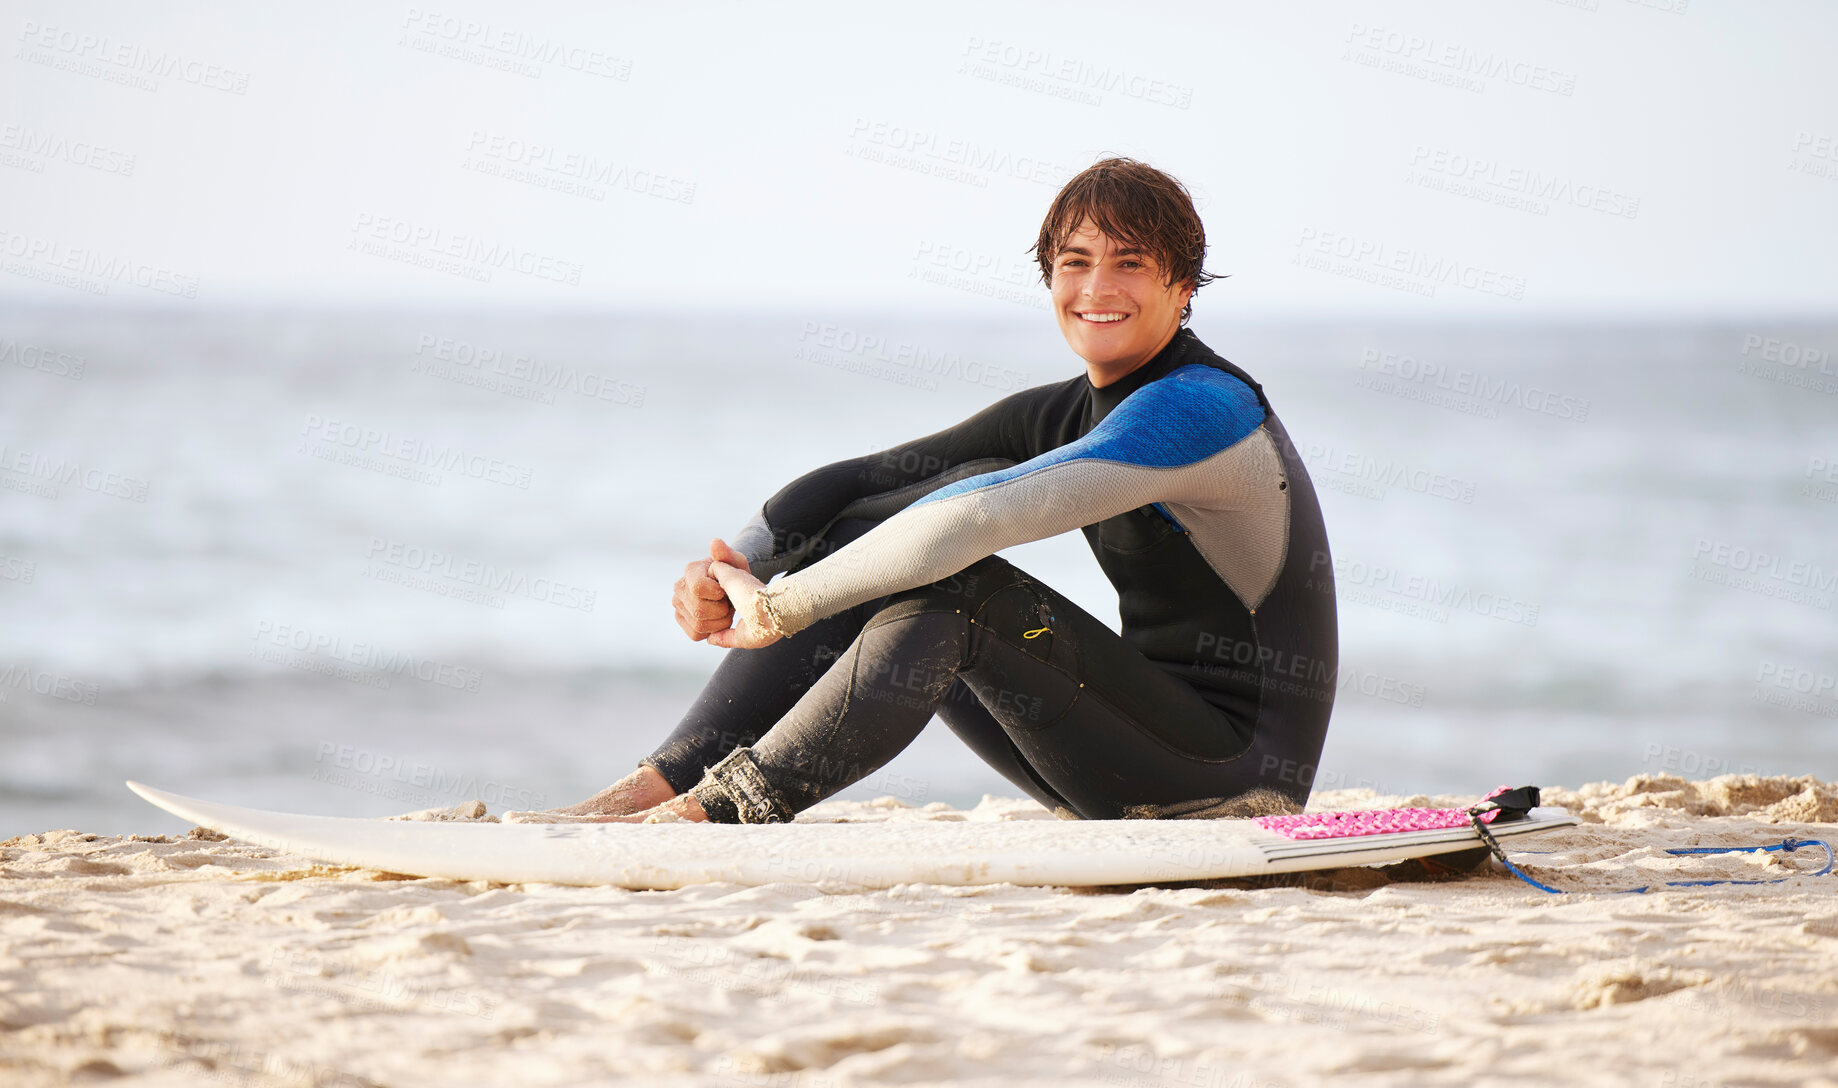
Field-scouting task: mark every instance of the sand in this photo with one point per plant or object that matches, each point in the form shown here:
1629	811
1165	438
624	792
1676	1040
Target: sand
162	961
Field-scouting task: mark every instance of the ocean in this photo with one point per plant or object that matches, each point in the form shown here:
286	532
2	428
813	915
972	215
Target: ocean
362	562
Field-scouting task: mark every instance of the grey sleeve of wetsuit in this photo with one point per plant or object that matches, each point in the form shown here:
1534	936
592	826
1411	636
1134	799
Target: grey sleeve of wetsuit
754	540
1193	441
792	525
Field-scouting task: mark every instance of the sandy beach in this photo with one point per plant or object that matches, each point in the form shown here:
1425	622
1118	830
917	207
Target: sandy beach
180	961
375	381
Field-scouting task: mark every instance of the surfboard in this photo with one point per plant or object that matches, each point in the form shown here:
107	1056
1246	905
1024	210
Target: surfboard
855	855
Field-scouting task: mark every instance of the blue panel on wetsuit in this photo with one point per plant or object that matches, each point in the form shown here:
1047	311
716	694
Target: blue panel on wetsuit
1188	416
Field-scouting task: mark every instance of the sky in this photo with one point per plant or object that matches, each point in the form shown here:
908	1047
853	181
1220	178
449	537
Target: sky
1449	160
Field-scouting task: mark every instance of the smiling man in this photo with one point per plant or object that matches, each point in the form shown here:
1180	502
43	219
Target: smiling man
1214	698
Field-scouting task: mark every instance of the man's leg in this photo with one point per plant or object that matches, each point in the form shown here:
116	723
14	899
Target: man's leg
1082	721
1088	727
752	689
748	694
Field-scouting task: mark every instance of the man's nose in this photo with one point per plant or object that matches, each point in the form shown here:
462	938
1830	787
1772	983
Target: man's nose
1100	284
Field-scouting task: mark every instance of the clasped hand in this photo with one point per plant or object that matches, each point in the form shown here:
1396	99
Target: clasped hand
717	600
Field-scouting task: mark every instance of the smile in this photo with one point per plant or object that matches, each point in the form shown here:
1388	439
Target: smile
1102	317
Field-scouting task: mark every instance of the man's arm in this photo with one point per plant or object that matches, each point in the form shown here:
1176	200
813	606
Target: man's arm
1170	441
791	524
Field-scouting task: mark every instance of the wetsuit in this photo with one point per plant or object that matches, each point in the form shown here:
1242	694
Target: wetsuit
1213	700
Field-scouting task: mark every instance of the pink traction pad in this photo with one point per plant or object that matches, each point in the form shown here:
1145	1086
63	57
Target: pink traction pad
1378	821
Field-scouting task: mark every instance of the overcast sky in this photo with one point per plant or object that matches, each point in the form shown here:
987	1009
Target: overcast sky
1456	158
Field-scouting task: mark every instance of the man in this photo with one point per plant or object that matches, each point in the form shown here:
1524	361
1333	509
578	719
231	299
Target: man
1214	699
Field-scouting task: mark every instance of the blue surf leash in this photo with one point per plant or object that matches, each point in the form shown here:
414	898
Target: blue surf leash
1513	804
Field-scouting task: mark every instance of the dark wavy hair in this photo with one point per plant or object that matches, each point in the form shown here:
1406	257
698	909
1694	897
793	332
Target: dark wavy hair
1136	205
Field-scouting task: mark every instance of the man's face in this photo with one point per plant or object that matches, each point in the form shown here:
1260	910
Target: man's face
1112	303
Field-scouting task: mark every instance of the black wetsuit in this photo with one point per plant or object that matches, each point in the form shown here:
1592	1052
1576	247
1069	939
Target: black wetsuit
1214	699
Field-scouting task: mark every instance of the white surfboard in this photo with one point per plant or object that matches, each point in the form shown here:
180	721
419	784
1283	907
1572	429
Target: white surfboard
858	855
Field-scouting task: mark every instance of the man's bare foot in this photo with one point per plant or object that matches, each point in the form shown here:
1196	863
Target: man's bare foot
683	809
636	792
